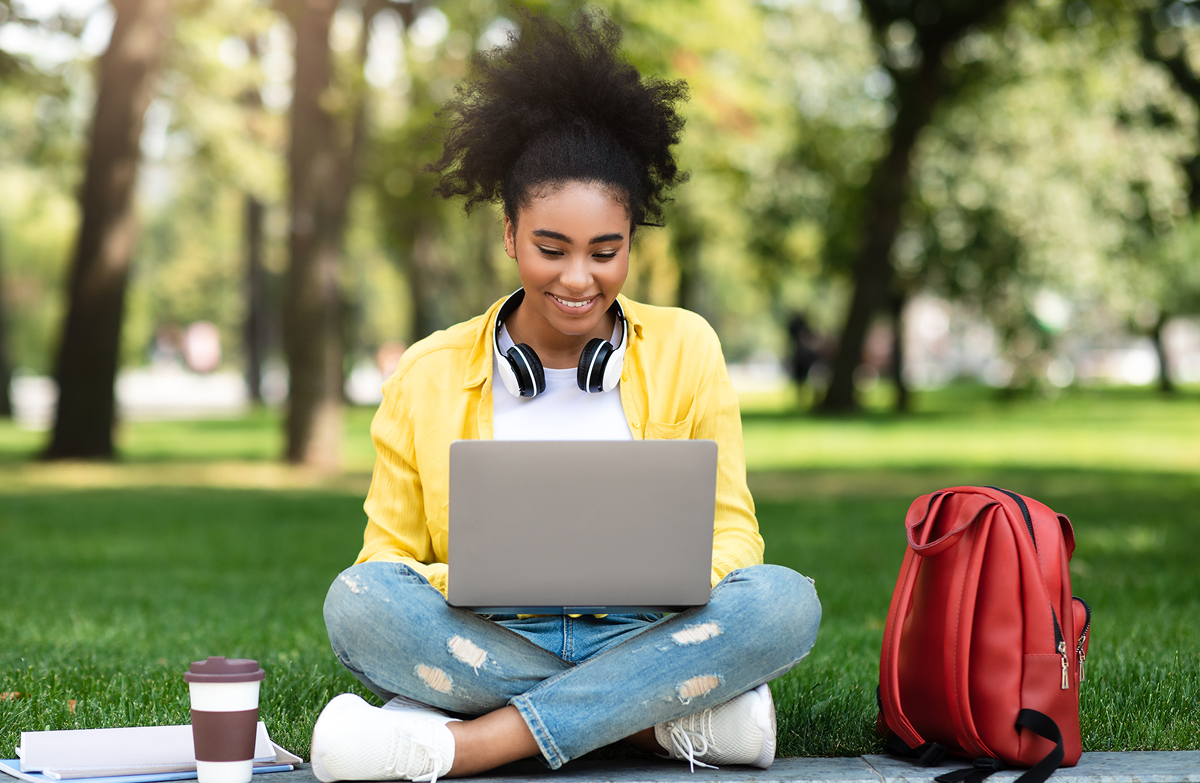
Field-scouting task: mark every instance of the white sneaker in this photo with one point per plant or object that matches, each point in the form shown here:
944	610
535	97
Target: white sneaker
740	731
404	740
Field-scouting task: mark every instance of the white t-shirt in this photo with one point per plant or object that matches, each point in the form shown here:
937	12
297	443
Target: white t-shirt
562	412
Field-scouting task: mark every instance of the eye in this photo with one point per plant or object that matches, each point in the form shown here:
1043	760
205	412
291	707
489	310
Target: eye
550	252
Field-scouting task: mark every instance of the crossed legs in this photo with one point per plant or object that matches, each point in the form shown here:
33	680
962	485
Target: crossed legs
399	637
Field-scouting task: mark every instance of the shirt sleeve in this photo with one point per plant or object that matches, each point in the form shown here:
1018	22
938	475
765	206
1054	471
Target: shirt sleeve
397	530
736	540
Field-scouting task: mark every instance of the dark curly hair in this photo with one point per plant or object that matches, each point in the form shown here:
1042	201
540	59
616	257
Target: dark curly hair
558	105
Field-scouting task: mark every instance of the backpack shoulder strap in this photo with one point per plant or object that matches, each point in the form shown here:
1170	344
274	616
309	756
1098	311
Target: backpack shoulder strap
889	665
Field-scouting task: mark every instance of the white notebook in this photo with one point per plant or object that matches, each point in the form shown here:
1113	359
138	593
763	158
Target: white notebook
137	750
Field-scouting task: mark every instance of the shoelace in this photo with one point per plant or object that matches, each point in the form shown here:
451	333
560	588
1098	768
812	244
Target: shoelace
431	755
685	741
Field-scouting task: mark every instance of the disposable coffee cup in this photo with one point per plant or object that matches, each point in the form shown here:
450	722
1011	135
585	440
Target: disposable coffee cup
224	717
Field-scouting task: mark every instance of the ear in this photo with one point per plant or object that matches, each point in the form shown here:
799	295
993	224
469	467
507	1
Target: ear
510	238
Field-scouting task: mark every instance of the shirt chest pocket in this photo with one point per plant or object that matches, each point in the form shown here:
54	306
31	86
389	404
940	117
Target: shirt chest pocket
680	430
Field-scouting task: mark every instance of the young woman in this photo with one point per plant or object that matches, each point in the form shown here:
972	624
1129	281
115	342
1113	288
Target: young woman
577	148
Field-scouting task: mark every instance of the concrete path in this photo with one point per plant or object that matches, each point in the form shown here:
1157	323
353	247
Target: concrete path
1135	767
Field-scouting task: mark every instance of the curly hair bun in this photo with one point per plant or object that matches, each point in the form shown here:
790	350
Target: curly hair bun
556	105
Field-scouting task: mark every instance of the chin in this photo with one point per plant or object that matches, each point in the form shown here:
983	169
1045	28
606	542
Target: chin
573	329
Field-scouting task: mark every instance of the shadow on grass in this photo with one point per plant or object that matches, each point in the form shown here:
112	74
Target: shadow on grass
967	400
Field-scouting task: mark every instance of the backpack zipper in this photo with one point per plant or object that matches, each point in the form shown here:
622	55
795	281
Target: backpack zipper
1087	624
1060	644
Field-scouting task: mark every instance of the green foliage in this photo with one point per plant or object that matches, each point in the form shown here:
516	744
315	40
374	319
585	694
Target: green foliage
190	268
1054	172
34	251
1054	168
38	154
1171	278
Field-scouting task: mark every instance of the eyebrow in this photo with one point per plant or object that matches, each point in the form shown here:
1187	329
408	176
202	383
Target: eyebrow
548	234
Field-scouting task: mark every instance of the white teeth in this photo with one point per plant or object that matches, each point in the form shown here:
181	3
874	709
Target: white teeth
572	304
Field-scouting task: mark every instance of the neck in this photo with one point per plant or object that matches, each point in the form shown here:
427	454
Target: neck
557	351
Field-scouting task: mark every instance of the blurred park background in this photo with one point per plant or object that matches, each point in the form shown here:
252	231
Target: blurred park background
942	241
210	204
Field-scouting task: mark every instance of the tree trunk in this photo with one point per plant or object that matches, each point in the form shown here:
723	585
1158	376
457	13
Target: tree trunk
917	93
310	326
488	289
255	328
86	365
322	162
422	269
887	191
1165	384
255	336
903	401
686	241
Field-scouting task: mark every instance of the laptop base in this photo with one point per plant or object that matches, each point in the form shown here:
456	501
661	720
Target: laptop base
574	609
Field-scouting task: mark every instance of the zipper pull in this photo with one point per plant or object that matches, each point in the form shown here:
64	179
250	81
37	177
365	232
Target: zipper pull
1082	660
1062	650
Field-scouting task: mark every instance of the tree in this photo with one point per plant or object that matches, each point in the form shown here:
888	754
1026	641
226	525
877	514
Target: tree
327	130
1045	187
1168	279
915	37
255	329
87	356
1164	38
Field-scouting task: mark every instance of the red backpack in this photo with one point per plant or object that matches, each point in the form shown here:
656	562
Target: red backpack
984	646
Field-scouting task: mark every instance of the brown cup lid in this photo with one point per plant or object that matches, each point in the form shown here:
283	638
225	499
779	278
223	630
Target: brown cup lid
218	668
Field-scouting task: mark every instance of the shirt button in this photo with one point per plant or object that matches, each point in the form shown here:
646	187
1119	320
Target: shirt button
625	377
634	425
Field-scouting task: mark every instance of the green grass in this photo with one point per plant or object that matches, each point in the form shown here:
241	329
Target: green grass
114	578
109	594
975	427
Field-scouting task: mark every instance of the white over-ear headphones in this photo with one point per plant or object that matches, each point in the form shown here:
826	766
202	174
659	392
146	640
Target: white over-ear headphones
521	370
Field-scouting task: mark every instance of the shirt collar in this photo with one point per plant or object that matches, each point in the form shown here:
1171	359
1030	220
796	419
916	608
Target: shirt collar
632	322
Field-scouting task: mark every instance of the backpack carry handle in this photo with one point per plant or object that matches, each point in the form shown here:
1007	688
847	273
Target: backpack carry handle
973	507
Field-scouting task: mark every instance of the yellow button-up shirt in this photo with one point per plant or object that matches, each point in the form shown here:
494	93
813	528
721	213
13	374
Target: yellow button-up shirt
674	384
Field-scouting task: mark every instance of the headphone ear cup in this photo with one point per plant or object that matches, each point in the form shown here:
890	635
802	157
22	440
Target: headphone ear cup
527	370
592	362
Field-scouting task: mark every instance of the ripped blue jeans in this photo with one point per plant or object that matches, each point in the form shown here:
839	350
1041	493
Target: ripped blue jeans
579	683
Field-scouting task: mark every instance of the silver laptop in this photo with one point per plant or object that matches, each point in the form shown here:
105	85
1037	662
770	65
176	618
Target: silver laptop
581	527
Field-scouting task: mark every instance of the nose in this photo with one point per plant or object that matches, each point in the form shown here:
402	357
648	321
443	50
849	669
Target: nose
576	276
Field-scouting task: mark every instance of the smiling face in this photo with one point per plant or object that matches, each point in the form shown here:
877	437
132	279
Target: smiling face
571	244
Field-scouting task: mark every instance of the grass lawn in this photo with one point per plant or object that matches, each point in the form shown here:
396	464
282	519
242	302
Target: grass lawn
114	577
